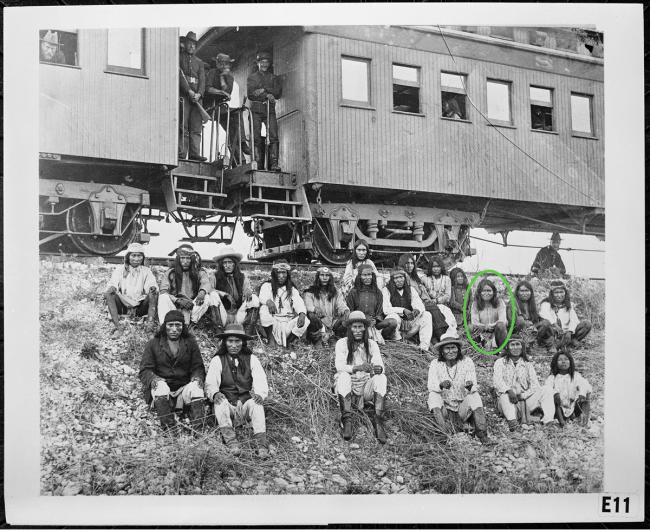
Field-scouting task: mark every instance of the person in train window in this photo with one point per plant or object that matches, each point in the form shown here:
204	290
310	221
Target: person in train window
548	258
571	391
360	256
442	319
50	48
263	88
232	297
451	109
360	372
453	390
528	323
132	289
458	288
283	314
236	383
488	316
326	309
192	87
172	372
567	328
367	297
519	394
437	282
184	286
219	83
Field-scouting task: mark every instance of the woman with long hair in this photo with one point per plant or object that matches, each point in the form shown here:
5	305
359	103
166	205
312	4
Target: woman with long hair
458	288
528	322
570	390
437	282
488	315
567	328
360	256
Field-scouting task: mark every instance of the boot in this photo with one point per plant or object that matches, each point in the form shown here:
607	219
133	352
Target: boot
250	321
513	425
165	413
480	425
559	414
262	445
585	411
379	419
270	337
215	317
230	439
150	326
345	403
197	413
273	157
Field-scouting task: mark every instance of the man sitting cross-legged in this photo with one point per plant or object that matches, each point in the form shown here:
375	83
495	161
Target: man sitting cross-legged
132	289
172	371
326	308
237	385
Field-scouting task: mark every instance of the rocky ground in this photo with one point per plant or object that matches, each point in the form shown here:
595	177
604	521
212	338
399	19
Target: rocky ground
98	437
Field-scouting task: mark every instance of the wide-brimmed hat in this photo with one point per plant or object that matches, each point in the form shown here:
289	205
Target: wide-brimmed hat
51	37
185	247
228	252
358	316
281	265
223	58
555	236
135	248
191	36
263	55
445	342
234	330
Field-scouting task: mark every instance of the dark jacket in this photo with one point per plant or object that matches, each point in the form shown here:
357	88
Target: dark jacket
158	362
236	382
272	84
546	258
377	311
194	71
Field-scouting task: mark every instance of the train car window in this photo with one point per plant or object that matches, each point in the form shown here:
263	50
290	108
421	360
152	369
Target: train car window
539	38
355	80
58	47
454	99
406	88
125	51
498	101
581	115
541	108
502	32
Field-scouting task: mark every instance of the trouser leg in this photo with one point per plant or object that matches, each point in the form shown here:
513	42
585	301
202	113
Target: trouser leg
165	305
426	330
183	129
224	412
315	328
582	330
545	333
500	333
195	125
542	398
507	408
199	310
388	327
113	303
255	412
258	119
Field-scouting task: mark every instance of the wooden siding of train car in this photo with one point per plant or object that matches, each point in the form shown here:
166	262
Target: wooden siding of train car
377	147
89	112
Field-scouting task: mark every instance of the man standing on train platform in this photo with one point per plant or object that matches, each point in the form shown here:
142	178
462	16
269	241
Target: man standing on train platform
184	286
192	86
263	88
132	289
548	258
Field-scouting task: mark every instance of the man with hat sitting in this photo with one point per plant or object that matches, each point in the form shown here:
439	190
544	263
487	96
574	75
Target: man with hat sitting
360	371
263	88
282	310
132	289
404	301
184	286
237	385
232	297
172	372
326	308
548	258
50	50
453	389
192	86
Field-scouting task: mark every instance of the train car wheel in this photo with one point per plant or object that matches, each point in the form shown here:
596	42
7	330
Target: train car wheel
80	219
321	243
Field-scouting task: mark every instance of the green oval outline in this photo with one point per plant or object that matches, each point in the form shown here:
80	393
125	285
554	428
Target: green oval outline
513	306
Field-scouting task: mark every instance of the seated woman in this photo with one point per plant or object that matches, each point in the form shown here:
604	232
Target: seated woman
442	319
453	389
458	288
571	391
437	282
518	391
360	371
528	322
567	329
488	315
360	256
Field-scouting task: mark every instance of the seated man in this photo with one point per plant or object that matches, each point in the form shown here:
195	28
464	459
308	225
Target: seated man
184	286
326	308
237	385
360	371
232	298
366	297
172	372
132	289
282	310
404	301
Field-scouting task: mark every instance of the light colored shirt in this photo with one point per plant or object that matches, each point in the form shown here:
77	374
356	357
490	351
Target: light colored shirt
439	288
186	288
358	357
330	308
416	302
566	319
463	371
288	305
520	377
134	282
213	379
568	389
489	315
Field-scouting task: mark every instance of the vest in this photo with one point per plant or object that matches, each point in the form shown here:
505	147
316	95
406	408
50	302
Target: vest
400	301
236	386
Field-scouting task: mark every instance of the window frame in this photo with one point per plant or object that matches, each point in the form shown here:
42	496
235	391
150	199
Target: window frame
125	70
404	82
354	102
540	103
495	121
461	91
64	65
590	98
503	37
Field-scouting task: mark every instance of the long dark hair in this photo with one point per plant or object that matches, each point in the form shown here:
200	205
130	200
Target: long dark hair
567	297
330	288
480	303
359	242
221	278
176	274
373	285
162	331
223	350
413	276
459	357
351	343
532	305
454	272
572	363
275	286
392	289
436	259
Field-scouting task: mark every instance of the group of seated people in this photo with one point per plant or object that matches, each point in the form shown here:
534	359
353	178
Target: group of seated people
362	314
